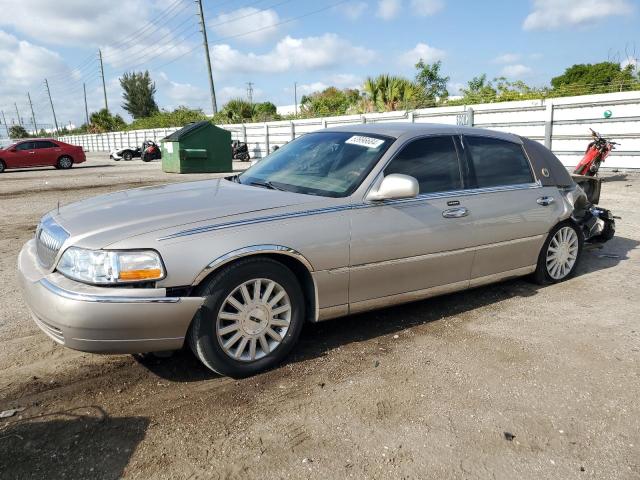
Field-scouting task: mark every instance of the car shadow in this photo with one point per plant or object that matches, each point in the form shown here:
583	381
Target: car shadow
52	169
620	177
83	442
319	338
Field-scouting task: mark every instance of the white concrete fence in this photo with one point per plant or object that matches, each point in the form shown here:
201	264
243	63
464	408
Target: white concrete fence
560	123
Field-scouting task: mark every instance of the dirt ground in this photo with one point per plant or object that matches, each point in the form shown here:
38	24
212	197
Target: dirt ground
506	381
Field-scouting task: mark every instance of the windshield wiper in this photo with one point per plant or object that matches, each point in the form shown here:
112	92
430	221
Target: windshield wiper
266	184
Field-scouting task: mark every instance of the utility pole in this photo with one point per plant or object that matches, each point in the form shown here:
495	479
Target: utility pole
86	110
33	115
214	104
104	85
295	96
55	120
250	92
18	114
4	120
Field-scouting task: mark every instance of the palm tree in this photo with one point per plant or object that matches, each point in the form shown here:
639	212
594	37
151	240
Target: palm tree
388	92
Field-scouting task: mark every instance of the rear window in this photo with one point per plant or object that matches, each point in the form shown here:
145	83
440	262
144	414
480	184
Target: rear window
498	162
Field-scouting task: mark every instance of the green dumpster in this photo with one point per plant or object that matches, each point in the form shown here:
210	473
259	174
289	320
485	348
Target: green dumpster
199	147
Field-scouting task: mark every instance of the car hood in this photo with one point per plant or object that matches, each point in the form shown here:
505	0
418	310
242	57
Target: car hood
103	220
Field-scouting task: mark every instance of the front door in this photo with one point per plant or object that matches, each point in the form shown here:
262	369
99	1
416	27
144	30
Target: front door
405	248
24	155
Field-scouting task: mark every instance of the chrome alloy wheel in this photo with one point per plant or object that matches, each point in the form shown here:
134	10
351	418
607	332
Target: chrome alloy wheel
562	253
65	162
253	320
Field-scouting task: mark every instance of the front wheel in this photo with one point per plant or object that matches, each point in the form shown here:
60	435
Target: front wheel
2	166
250	320
127	156
560	254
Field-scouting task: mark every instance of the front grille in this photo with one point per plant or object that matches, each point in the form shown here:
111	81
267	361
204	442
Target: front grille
49	238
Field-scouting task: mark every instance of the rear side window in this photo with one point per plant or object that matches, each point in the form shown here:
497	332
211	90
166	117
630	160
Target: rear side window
433	161
498	162
45	144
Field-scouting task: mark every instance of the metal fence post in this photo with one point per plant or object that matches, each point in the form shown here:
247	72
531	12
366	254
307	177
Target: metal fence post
411	117
548	125
244	133
266	136
363	118
469	117
293	131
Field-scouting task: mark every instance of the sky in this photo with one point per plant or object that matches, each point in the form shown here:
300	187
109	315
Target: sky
276	43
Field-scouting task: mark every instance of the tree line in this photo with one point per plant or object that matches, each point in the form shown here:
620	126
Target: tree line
383	93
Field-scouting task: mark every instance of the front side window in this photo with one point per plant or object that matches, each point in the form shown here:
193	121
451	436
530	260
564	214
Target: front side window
498	162
24	146
331	164
433	161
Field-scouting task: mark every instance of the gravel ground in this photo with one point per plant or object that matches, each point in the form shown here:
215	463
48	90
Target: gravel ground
506	381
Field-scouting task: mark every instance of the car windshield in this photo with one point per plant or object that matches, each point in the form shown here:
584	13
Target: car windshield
331	164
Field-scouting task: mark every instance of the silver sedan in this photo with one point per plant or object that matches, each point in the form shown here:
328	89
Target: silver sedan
339	221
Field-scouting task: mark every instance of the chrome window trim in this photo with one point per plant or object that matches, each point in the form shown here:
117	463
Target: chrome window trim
473	191
454	193
85	297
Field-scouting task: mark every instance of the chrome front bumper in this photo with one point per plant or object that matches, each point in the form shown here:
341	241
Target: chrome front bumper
103	319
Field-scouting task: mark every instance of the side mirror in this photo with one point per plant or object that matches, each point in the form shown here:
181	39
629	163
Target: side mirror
394	187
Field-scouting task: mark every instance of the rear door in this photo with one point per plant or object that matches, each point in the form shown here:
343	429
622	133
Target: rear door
511	212
401	248
46	152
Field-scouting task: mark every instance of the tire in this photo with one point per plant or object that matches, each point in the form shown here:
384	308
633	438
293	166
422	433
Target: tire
3	167
127	155
218	322
569	240
145	157
65	162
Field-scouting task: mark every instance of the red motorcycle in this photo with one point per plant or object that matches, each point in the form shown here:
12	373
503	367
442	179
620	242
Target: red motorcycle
597	151
150	151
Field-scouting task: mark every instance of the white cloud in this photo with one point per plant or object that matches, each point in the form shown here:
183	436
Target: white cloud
421	51
74	22
556	14
145	50
176	94
388	9
516	70
346	80
310	53
23	68
307	88
247	24
507	58
427	8
352	10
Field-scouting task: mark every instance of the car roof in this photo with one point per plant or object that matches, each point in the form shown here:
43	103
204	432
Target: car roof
37	139
408	130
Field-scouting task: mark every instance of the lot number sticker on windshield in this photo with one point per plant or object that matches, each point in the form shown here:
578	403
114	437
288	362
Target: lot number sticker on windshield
362	141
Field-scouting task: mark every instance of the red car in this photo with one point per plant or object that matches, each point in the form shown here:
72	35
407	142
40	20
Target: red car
40	152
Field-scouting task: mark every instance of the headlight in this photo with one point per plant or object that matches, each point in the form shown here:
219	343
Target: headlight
111	266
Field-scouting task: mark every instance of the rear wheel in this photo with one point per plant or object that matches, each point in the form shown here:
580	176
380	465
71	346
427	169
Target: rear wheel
127	155
251	318
560	254
3	167
65	162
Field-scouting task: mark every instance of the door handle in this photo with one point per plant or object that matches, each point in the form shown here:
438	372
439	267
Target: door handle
545	201
32	153
455	212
